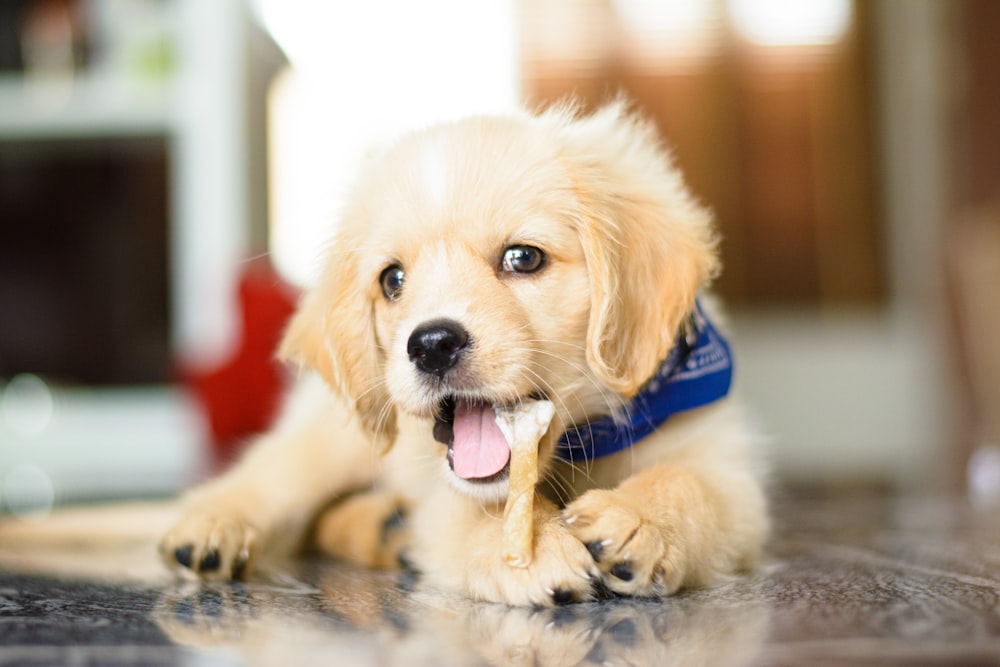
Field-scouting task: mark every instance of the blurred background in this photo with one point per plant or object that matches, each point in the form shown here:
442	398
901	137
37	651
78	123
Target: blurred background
169	168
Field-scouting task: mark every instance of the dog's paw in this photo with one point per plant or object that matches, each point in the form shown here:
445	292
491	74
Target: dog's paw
212	546
637	554
561	572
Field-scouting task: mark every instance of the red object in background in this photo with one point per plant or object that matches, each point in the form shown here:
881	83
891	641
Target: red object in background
241	397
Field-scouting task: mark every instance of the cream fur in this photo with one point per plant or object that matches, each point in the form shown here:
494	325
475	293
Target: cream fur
628	249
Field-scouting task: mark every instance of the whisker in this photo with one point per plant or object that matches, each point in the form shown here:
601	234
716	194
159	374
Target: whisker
584	373
563	491
610	400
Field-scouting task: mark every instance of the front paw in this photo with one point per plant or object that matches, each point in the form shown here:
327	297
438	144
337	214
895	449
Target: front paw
211	545
638	554
561	571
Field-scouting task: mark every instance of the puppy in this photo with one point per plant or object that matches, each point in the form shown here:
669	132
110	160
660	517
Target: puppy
483	263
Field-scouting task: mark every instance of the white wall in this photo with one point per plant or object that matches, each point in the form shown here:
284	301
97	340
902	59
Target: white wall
858	395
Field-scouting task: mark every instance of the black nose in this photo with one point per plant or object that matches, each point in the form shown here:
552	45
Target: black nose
436	346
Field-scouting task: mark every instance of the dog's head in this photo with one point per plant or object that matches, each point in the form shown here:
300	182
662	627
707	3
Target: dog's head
496	259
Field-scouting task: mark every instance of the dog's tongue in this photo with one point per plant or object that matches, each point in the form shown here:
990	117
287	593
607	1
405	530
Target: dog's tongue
479	448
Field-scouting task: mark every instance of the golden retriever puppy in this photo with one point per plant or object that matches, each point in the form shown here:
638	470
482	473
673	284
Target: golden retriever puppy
480	264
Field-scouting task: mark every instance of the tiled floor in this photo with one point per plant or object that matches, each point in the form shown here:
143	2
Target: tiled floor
850	582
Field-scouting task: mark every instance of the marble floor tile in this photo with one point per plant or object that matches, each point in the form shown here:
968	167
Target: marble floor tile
849	581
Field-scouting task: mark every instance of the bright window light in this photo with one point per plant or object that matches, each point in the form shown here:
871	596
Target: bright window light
362	72
791	22
662	30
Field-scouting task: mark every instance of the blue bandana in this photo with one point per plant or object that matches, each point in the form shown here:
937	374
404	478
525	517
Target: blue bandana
698	371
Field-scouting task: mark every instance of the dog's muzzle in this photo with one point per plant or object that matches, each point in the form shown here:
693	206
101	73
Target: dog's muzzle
477	450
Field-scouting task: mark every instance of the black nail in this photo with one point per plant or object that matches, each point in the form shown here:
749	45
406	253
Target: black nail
183	555
596	548
599	589
622	571
239	569
211	561
405	562
561	596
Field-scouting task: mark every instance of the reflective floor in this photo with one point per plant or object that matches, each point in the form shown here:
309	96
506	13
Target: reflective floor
850	581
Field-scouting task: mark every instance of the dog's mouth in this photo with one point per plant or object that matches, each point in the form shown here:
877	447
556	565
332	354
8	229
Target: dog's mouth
477	449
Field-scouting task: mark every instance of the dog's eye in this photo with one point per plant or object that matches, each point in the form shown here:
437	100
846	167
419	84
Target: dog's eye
391	281
522	259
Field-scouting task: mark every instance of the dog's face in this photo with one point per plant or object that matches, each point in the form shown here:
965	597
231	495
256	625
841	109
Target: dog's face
497	260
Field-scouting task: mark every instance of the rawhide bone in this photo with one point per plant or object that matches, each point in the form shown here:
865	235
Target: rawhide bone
523	426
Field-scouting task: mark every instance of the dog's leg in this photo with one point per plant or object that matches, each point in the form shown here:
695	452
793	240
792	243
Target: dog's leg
692	521
367	529
264	504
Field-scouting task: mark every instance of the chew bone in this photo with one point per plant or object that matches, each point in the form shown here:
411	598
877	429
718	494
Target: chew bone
523	426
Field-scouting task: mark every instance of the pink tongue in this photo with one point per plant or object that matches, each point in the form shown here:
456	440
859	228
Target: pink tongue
479	449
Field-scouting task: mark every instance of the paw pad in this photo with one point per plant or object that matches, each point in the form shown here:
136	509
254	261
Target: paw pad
622	571
596	548
183	555
210	562
563	596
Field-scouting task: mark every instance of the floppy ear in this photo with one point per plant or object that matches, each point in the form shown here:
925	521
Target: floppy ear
333	333
649	246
